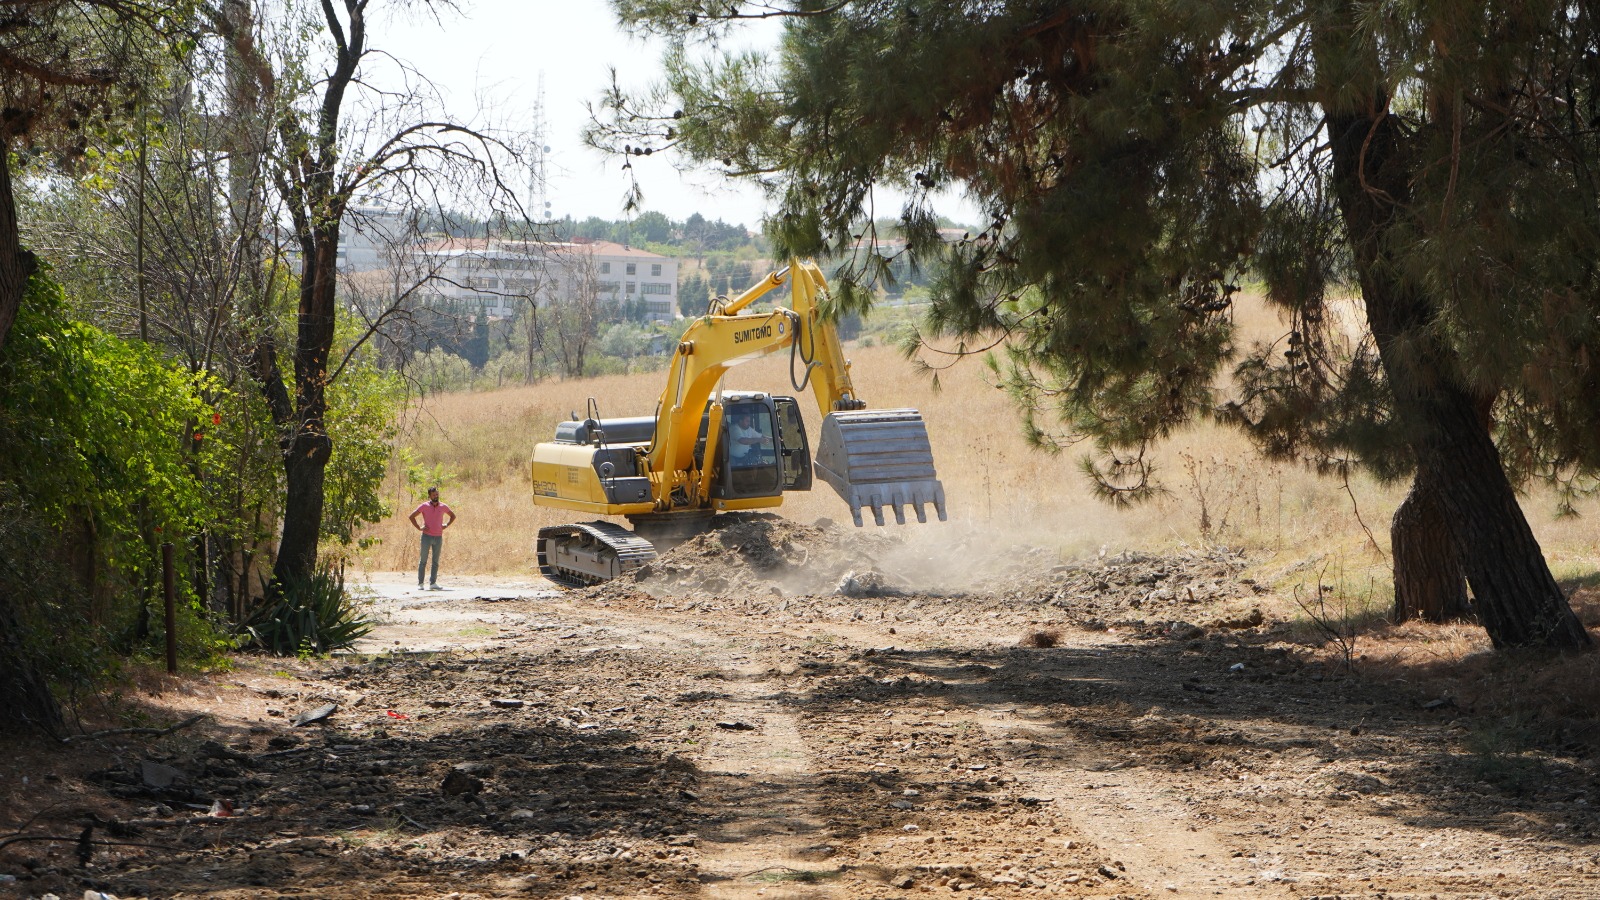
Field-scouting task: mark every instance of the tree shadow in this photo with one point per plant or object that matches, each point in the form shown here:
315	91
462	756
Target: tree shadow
1384	748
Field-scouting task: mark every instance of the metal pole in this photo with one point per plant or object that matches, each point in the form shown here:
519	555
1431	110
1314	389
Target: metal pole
170	592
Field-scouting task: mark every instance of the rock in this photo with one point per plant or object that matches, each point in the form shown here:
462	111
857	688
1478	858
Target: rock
475	769
736	726
866	584
522	814
903	804
1184	631
156	775
903	882
1251	619
507	703
458	782
1107	872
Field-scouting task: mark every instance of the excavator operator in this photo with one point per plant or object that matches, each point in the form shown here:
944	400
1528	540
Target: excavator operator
748	444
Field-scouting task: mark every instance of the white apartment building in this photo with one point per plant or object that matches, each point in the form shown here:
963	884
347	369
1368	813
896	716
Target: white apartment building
372	237
501	276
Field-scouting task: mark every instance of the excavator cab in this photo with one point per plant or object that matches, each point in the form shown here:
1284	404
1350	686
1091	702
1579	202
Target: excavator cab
762	450
749	452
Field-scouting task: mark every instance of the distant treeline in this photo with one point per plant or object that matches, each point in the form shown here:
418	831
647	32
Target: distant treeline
693	236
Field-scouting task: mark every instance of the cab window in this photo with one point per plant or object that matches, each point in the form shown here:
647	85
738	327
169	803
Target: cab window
750	449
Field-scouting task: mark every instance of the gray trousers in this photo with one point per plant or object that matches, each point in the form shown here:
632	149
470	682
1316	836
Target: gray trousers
436	543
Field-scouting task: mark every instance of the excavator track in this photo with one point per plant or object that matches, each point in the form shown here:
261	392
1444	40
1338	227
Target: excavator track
589	553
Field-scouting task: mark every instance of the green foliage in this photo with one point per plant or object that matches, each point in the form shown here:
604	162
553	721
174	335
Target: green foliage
310	615
420	477
1138	158
99	427
363	407
62	635
694	236
100	460
694	295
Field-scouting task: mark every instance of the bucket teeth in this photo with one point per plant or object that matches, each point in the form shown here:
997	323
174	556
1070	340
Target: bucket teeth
880	458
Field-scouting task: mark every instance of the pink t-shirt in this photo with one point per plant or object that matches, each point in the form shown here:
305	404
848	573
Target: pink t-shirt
432	517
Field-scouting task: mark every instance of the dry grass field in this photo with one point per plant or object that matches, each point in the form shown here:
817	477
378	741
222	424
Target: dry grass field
1002	493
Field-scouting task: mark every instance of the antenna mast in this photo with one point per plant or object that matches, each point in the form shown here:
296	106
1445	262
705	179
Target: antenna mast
538	173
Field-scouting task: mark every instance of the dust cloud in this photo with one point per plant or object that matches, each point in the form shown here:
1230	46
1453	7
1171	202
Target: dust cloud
763	554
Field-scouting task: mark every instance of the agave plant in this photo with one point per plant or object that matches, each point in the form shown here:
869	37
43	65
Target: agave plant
310	615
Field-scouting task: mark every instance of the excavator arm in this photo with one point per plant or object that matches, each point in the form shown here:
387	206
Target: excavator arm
874	459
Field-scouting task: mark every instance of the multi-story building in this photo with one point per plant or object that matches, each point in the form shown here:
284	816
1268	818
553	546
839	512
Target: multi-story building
373	238
500	276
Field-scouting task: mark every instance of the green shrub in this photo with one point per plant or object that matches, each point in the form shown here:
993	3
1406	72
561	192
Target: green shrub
314	615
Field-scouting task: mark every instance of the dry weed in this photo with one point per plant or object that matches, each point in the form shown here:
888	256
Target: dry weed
1044	638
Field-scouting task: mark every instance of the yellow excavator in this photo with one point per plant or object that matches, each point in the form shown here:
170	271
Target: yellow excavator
707	451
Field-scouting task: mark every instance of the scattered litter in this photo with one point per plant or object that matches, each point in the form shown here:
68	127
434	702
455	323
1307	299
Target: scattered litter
313	716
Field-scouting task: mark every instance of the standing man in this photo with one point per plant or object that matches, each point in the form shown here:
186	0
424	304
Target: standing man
436	517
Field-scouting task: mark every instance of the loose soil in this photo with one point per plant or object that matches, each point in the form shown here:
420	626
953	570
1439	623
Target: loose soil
792	711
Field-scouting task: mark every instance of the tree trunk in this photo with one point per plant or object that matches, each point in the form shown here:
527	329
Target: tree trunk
16	264
306	454
304	467
25	697
1518	601
1429	582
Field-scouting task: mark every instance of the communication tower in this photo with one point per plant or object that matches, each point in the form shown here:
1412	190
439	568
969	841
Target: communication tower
538	171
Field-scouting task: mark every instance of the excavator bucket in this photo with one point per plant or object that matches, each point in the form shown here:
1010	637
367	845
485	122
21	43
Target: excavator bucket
880	458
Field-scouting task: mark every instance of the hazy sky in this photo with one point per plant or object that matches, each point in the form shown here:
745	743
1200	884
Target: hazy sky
490	58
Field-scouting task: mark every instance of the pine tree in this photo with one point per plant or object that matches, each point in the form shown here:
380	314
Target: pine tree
1139	158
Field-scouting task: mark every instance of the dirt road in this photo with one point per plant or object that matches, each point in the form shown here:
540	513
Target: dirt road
512	741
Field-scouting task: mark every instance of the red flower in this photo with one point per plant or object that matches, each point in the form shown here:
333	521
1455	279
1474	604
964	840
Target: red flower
216	418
